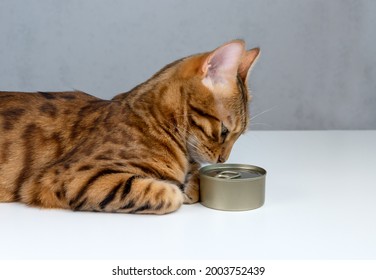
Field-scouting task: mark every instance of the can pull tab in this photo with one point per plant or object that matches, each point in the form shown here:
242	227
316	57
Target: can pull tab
228	175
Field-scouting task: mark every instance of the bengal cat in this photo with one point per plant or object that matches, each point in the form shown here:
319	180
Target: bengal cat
137	153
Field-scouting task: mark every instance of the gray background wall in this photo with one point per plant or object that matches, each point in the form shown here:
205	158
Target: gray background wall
317	70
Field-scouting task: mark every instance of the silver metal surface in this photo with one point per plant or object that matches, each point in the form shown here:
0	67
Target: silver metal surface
232	186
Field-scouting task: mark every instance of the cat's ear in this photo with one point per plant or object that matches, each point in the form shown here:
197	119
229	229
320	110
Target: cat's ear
221	65
247	62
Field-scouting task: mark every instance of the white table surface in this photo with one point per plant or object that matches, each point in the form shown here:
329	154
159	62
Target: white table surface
320	204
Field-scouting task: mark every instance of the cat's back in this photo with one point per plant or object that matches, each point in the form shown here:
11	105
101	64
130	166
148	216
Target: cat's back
20	108
29	100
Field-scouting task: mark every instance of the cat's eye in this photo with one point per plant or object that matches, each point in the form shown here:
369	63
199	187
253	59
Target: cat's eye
224	132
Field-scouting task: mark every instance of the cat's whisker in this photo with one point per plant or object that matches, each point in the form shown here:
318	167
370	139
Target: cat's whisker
196	142
260	124
182	131
262	112
193	144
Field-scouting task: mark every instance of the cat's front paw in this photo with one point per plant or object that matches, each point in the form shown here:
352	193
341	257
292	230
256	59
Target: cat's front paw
192	190
190	199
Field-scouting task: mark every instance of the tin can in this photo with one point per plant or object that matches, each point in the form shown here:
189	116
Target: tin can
232	187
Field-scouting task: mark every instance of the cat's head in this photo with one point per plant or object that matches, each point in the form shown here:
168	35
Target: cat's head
218	101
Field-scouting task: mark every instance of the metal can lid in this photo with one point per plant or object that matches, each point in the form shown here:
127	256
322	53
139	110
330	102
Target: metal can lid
233	171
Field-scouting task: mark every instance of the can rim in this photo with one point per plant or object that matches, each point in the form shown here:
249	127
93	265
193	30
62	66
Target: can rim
240	166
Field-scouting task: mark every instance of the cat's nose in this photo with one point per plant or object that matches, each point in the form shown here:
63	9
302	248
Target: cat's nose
221	159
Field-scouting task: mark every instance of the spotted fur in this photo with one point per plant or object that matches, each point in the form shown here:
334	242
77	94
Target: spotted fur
137	153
